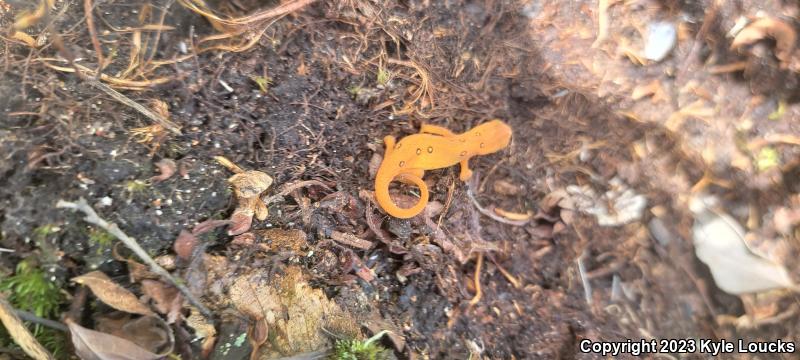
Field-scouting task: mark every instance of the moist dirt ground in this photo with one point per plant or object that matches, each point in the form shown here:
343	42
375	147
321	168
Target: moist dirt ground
310	94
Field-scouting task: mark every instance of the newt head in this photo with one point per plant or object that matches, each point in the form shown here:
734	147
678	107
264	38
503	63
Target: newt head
491	136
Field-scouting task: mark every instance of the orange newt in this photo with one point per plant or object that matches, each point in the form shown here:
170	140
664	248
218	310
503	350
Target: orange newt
434	147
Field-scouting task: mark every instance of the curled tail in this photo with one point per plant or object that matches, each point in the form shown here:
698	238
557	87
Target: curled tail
385	200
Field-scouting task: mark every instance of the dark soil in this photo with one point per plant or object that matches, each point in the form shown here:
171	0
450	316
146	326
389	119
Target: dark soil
322	117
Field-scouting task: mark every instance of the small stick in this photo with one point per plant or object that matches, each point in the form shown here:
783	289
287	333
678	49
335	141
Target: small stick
21	335
113	229
478	292
292	187
470	186
587	286
513	280
31	317
87	9
167	124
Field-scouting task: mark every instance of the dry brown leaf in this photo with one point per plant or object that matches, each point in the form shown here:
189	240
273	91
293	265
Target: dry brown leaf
202	330
150	332
257	335
167	167
241	219
20	334
95	345
112	294
168	300
184	245
783	33
208	225
250	183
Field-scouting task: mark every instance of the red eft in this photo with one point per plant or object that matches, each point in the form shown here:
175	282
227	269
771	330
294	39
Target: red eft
434	147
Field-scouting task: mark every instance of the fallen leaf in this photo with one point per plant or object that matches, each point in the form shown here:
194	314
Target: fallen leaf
202	330
208	225
20	334
783	33
112	294
167	167
184	245
249	183
241	220
95	345
257	334
168	300
719	243
149	332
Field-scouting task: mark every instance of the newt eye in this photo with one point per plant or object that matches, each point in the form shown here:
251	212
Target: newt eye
398	145
419	151
478	134
402	163
463	153
430	149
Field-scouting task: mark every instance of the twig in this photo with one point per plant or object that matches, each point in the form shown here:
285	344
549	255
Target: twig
513	280
113	229
167	124
292	187
20	333
351	240
487	212
477	281
30	317
602	23
587	286
87	9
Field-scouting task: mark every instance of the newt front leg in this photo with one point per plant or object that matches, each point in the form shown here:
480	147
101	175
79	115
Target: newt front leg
466	173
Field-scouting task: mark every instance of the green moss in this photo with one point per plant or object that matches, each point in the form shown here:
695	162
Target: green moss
383	76
30	290
354	90
135	187
360	350
263	82
100	237
41	232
